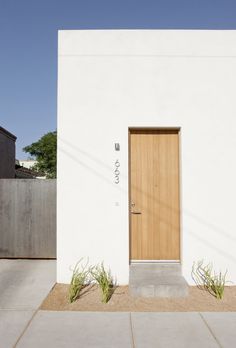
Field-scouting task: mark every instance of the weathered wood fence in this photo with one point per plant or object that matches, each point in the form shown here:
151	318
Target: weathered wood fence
27	218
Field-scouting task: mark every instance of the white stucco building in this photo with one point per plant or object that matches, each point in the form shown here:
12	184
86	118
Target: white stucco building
168	99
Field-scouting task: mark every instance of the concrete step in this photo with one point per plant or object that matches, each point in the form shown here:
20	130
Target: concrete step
157	280
158	269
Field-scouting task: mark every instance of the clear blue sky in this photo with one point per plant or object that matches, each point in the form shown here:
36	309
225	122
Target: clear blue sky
28	47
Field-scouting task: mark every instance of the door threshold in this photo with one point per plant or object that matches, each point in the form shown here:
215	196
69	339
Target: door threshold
154	261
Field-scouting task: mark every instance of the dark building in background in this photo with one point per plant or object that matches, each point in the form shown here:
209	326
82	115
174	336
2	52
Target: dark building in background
7	154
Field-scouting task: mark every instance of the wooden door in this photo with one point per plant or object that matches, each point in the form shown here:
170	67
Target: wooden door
154	195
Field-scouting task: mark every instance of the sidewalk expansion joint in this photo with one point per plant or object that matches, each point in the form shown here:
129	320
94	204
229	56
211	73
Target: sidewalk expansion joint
131	328
26	327
211	331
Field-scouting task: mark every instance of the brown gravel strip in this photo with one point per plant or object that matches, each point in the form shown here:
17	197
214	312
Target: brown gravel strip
121	301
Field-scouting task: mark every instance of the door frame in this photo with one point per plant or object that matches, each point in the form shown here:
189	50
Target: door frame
178	129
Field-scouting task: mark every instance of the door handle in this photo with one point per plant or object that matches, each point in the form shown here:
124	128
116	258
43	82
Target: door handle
132	211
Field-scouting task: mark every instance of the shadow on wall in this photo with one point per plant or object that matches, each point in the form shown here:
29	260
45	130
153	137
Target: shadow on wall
186	213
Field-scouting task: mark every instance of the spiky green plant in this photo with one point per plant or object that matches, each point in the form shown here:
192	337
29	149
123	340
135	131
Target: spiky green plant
104	280
80	277
205	278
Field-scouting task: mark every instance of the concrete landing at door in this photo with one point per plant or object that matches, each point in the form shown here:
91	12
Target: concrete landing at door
157	280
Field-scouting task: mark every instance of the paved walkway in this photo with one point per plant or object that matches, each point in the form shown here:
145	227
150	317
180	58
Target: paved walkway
127	330
24	284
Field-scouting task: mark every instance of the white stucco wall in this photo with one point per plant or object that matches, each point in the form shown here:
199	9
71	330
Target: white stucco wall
111	80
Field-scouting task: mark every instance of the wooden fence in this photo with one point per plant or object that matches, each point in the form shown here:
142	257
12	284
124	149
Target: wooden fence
27	218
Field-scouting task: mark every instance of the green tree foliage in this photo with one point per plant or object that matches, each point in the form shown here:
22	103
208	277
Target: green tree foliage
45	152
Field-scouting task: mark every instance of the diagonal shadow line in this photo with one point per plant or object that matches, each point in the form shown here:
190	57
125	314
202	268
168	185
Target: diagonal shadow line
209	225
210	245
187	213
91	157
105	179
205	242
92	171
173	210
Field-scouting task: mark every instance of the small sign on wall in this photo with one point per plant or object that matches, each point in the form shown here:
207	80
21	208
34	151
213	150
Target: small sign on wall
117	165
117	146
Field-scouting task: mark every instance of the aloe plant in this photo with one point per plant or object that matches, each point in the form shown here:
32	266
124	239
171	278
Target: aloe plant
104	280
79	278
205	278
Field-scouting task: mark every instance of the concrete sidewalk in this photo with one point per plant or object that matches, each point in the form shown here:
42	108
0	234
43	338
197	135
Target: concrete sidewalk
25	283
128	330
23	286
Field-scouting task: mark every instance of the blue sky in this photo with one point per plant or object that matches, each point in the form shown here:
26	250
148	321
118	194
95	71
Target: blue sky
28	47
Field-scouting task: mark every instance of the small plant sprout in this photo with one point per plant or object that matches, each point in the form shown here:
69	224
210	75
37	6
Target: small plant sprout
104	280
206	279
80	277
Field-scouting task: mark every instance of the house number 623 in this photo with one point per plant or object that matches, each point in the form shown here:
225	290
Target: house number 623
117	172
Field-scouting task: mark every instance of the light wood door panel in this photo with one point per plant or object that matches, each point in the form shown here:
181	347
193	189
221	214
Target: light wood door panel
154	195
